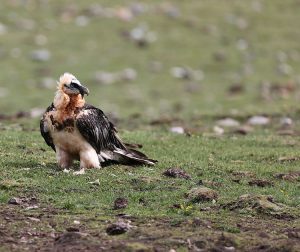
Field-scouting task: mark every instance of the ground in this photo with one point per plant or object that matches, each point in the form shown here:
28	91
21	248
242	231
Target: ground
167	74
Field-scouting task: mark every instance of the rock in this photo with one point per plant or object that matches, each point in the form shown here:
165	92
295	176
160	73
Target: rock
41	55
118	228
82	21
142	36
105	78
15	201
3	29
288	159
187	73
120	203
48	83
259	120
40	39
128	74
34	219
199	194
228	122
177	129
176	173
36	112
260	183
80	172
286	122
96	182
218	130
242	44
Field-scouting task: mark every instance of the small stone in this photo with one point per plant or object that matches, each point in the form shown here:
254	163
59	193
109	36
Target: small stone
242	44
96	182
82	21
218	130
3	29
42	55
15	201
120	203
36	112
181	73
80	172
32	207
105	78
286	122
177	129
118	228
76	222
199	194
48	83
34	219
128	74
229	249
228	122
259	120
40	39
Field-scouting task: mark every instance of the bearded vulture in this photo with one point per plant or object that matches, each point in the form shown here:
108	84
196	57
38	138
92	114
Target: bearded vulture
78	131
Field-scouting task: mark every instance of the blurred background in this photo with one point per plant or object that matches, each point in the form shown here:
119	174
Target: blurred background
151	59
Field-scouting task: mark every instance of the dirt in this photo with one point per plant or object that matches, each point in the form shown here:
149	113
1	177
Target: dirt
176	173
120	227
260	182
120	203
289	176
43	229
261	205
199	194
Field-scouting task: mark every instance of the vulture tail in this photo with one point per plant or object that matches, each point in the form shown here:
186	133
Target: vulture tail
126	156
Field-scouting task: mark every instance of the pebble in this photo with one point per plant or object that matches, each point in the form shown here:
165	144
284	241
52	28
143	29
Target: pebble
15	201
286	122
177	130
228	122
218	130
41	55
259	120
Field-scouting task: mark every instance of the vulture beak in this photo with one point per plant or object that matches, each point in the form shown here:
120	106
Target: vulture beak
80	88
83	90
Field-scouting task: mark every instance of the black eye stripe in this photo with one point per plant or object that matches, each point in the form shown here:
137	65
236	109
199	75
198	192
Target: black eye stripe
74	85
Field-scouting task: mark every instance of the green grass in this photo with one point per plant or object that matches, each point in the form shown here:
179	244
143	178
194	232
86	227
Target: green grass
28	168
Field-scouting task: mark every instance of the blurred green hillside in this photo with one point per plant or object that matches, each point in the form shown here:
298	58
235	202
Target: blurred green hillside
184	58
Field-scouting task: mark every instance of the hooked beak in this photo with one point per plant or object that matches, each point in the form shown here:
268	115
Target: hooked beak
80	88
83	90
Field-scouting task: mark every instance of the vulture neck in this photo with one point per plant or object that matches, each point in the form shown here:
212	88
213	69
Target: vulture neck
66	105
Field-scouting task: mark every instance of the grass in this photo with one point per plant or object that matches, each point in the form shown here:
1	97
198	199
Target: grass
233	42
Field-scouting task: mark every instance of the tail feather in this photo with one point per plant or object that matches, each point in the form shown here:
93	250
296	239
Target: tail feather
132	157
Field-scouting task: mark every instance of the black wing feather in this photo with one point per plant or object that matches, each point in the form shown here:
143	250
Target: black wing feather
43	128
95	127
